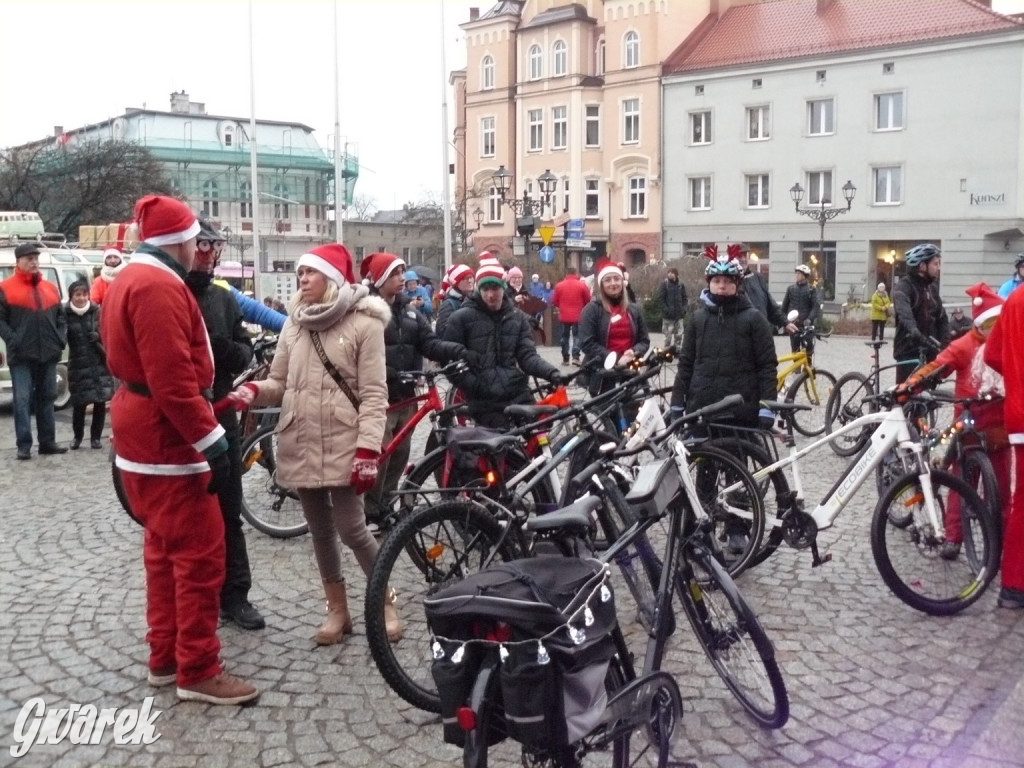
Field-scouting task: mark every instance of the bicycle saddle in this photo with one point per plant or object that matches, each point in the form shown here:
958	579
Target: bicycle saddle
575	516
498	444
527	413
781	407
875	344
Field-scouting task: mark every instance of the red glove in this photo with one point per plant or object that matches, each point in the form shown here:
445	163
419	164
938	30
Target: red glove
903	391
364	470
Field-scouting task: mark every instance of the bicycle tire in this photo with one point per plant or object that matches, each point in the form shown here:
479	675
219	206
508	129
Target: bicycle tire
846	403
908	558
268	507
122	497
713	469
660	721
756	457
453	539
813	392
977	471
732	637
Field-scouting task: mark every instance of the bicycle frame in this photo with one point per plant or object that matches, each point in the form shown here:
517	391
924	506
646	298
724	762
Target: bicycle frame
799	362
431	402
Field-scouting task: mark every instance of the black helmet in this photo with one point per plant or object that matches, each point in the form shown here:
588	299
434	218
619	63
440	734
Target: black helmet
919	254
208	232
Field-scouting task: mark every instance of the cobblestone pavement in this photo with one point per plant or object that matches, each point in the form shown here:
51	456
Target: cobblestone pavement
872	682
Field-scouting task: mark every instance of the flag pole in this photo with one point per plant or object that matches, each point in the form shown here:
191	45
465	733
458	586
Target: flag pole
255	201
446	178
339	181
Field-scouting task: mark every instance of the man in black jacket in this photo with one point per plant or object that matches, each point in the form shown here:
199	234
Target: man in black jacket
232	353
922	325
672	302
408	338
802	297
500	350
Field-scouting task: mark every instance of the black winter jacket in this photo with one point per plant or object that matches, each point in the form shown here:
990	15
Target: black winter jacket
727	349
672	299
502	354
445	307
32	320
593	330
919	314
804	299
757	291
407	340
89	381
232	347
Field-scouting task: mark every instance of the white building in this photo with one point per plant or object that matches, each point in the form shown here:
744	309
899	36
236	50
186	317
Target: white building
918	104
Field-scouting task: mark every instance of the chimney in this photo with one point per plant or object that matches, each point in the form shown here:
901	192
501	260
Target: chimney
58	130
823	6
179	103
474	14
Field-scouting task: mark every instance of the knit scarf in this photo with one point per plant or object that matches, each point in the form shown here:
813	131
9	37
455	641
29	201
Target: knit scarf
79	310
320	317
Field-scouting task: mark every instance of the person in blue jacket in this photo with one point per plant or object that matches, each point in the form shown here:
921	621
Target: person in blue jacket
253	311
419	297
1014	282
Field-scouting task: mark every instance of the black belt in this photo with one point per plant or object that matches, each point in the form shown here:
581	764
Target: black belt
142	389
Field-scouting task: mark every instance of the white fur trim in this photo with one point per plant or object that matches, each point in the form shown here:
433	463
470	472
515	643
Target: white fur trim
390	271
374	306
988	313
320	264
173	238
611	269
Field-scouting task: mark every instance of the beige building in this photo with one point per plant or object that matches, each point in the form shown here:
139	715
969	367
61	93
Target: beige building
574	89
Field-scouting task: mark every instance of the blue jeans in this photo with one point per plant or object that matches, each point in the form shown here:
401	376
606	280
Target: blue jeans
568	328
35	385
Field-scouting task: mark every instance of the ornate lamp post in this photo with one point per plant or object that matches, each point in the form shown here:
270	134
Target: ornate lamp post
820	213
526	208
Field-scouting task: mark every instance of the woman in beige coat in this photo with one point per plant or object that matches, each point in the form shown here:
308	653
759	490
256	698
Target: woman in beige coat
329	439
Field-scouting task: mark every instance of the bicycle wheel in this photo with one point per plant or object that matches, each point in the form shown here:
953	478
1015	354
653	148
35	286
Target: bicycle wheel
773	490
648	712
450	541
732	637
909	558
266	505
812	390
122	497
976	470
846	403
738	518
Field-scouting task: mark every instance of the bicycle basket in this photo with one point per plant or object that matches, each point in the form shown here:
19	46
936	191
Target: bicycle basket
549	620
655	486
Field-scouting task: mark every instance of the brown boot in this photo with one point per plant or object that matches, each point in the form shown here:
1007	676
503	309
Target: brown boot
338	622
392	623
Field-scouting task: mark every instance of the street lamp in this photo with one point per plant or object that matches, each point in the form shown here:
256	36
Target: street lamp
526	208
478	217
820	213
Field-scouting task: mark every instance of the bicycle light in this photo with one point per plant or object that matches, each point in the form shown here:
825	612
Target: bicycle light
466	718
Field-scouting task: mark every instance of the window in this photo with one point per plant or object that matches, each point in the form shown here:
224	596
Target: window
360	252
592	201
888	185
487	73
592	126
559	59
820	117
755	83
536	63
494	204
757	190
888	68
211	201
559	127
758	124
889	111
245	194
280	207
700	193
819	76
700	127
698	90
406	254
536	118
631	121
631	50
637	196
487	137
229	135
819	187
599	63
565	195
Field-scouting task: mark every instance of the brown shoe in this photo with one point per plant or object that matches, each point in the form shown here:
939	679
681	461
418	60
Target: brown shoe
158	678
222	689
338	622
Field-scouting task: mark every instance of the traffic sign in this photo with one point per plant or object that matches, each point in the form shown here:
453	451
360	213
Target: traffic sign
576	242
574	228
546	254
545	233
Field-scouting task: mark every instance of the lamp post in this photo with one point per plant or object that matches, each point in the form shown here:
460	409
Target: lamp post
526	208
820	213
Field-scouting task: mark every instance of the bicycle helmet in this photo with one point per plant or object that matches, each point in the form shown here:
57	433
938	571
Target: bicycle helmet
921	254
803	269
1019	261
721	265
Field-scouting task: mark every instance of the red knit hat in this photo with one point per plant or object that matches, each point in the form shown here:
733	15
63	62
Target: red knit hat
490	270
605	268
165	221
333	260
985	303
377	267
456	274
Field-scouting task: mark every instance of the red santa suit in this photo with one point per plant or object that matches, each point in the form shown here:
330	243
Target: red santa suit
158	347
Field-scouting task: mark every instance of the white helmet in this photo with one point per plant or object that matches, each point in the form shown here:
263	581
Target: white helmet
804	269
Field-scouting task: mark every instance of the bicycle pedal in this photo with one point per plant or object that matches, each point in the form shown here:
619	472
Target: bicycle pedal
817	559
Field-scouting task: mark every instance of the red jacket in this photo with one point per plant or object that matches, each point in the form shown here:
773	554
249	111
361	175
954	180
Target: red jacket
1003	352
571	296
32	320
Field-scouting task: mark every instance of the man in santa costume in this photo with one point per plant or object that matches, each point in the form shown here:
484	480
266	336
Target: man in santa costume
171	450
1005	353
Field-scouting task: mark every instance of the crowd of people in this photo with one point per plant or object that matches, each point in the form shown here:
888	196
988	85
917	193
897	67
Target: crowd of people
162	341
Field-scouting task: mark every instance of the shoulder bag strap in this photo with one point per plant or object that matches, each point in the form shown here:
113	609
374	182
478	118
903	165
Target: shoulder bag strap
338	379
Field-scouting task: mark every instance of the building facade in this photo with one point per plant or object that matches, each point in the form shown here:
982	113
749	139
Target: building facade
918	105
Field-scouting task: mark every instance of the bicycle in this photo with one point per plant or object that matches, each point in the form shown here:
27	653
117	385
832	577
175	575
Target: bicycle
907	526
274	509
811	385
724	623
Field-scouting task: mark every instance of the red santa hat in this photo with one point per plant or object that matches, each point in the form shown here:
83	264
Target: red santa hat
456	274
112	252
985	303
377	267
490	270
333	260
165	221
605	268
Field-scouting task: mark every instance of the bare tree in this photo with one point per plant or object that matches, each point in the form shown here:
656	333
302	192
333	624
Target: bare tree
93	182
363	207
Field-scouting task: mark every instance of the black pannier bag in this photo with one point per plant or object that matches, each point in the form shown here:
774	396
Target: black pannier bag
548	620
465	464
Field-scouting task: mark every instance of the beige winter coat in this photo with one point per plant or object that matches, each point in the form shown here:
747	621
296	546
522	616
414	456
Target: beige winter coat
319	429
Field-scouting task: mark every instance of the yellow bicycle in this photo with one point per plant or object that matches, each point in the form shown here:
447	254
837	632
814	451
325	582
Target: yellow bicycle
800	382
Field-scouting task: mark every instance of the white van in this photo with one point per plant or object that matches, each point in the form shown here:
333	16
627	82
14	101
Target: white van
62	267
24	225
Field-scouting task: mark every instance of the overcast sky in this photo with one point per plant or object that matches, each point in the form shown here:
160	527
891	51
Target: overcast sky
76	62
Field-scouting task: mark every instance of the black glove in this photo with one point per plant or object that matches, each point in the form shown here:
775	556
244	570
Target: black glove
475	359
220	466
557	379
94	336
